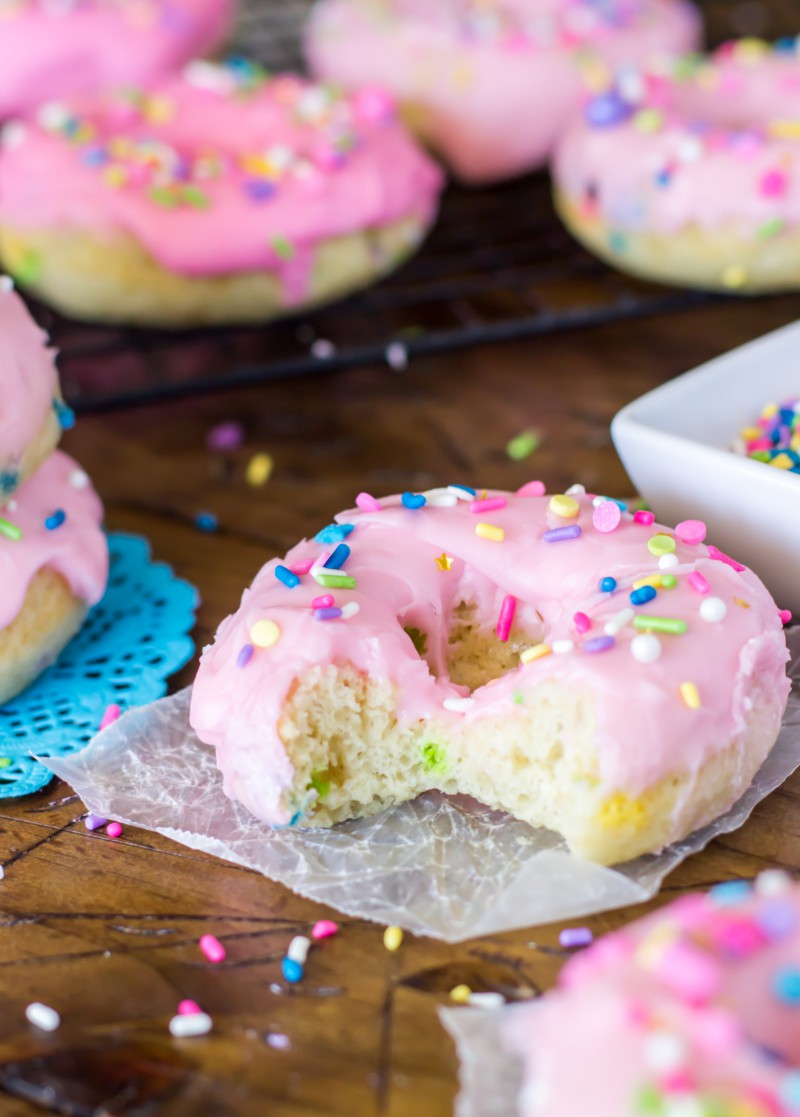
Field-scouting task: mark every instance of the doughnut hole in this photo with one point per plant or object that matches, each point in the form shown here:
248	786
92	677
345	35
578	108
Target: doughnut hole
475	656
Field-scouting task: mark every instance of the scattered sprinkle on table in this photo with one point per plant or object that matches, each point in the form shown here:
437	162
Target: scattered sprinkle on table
43	1017
186	1025
259	470
393	938
114	830
523	445
212	948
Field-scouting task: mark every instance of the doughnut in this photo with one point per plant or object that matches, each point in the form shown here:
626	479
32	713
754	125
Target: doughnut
488	86
31	409
559	658
692	175
221	195
693	1011
54	561
55	48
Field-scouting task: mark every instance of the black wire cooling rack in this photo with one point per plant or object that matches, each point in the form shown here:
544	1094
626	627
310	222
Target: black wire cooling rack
497	266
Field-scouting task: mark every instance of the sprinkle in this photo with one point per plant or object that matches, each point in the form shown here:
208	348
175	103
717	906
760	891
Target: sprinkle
771	882
444	562
324	929
43	1017
491	504
283	248
490	531
698	582
713	609
188	1008
301	568
441	498
329	614
78	479
666	562
460	994
486	1000
642	516
264	634
784	615
285	575
691	531
646	648
618	622
566	507
563	647
642	595
562	534
225	436
338	557
523	445
581	622
212	948
463	492
334	533
770	228
245	654
188	1024
691	695
607	585
397	356
392	938
94	821
653	580
720	556
206	521
458	705
532	488
599	644
259	470
113	829
786	985
734	277
112	714
607	110
350	609
538	651
413	500
572	937
659	624
298	949
606	516
322	349
506	618
367	503
324	601
55	520
333	579
661	544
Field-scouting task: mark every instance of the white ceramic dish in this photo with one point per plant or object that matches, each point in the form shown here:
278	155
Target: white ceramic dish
675	444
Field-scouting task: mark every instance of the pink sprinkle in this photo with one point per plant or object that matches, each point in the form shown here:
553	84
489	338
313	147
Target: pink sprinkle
715	1031
188	1008
773	184
113	829
491	504
720	556
212	948
324	601
582	622
532	488
759	444
373	105
677	1082
644	517
324	929
367	503
110	716
690	974
506	618
785	615
691	531
606	516
698	583
301	568
320	560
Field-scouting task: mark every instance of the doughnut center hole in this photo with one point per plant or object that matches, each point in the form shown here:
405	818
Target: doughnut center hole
475	655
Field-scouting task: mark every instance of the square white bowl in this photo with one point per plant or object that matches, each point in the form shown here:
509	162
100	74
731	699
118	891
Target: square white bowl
675	443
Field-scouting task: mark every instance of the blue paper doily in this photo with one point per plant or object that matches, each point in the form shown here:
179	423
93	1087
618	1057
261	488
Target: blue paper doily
131	642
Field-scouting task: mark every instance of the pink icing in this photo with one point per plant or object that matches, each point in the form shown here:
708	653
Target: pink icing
495	83
220	170
76	550
50	50
709	151
399	561
28	382
680	1007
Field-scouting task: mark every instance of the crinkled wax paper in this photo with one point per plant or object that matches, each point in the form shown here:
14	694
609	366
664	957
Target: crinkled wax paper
436	866
490	1074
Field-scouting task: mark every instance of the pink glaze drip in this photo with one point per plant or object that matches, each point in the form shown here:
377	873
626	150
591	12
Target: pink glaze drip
644	730
490	86
28	381
53	50
713	154
679	1007
219	170
77	550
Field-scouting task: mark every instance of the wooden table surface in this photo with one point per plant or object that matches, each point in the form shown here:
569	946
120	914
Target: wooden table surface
106	931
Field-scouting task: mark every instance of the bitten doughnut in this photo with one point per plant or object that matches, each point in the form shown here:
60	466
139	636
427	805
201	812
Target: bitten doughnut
488	86
221	195
55	48
31	409
578	666
691	175
54	562
692	1011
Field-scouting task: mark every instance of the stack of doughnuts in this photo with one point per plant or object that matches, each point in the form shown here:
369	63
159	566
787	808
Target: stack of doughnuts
53	553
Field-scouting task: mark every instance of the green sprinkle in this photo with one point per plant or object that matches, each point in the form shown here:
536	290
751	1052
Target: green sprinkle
519	697
660	624
418	638
434	758
523	445
193	196
649	1102
11	531
669	581
320	784
282	248
661	545
770	228
5	761
28	268
648	120
163	197
332	579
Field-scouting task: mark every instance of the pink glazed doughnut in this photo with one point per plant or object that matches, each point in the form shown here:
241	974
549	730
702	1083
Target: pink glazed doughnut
558	658
489	86
692	1011
220	195
55	48
691	174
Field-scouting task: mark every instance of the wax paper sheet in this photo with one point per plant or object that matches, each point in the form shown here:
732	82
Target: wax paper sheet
446	867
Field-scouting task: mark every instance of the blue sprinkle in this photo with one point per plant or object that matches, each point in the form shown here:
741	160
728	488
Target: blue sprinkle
64	414
259	189
599	644
607	585
206	521
464	489
334	533
55	520
291	970
330	613
94	157
787	44
9	479
664	177
561	534
245	653
786	985
730	892
642	595
285	575
338	558
413	500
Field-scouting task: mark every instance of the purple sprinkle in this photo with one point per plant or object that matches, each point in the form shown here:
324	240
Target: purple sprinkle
94	821
243	658
575	936
329	614
777	919
606	110
559	534
259	189
599	644
225	436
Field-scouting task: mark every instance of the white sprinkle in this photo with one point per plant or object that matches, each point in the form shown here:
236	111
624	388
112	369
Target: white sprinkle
460	494
618	622
646	647
598	500
350	609
666	562
576	490
486	1000
322	349
52	116
397	356
459	705
12	135
78	479
713	609
689	150
630	84
43	1017
205	75
298	949
12	505
6	284
562	647
2	872
772	881
441	499
280	156
664	1051
191	1024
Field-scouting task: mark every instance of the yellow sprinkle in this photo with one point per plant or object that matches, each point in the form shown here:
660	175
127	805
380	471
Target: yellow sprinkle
392	938
782	461
538	651
784	129
734	277
259	469
768	410
749	433
115	176
653	580
158	110
691	695
751	50
740	601
460	994
620	810
661	544
444	561
490	531
264	634
564	506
